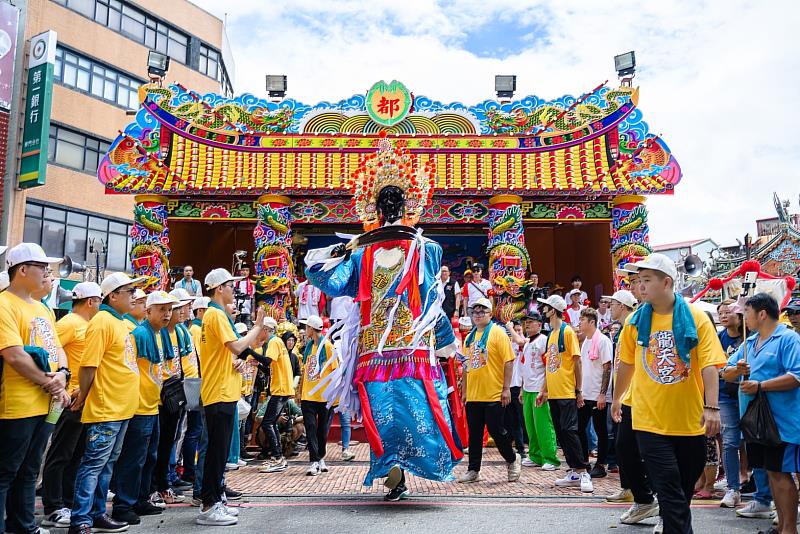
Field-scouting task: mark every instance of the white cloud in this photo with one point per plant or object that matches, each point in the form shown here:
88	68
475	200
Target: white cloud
719	79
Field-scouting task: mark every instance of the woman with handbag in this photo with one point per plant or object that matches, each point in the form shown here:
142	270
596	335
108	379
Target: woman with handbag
770	402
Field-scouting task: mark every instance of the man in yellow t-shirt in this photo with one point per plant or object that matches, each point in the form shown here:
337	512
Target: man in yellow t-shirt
63	455
108	369
220	347
137	314
669	356
487	390
281	390
34	372
562	390
134	469
318	362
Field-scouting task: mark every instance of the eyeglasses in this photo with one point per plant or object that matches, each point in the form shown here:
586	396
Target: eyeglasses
43	266
130	290
479	313
790	313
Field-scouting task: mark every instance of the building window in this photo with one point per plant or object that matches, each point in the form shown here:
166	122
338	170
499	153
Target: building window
69	232
97	79
76	150
209	62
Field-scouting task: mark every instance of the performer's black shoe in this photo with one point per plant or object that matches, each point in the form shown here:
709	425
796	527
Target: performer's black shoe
398	493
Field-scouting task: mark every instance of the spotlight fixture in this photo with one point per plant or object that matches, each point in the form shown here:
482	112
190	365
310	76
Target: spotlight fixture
625	64
157	64
276	85
505	85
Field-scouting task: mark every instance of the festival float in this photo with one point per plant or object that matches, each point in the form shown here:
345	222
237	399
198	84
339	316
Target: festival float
554	186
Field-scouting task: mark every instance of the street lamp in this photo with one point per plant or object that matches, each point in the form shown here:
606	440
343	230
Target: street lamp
505	85
625	64
276	85
157	64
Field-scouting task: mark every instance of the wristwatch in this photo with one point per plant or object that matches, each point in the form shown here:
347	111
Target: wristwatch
578	392
66	371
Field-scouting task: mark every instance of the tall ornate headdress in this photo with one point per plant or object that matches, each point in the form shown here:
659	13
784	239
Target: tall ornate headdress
391	166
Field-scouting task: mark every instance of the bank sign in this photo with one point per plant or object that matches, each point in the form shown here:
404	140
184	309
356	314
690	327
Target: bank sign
38	102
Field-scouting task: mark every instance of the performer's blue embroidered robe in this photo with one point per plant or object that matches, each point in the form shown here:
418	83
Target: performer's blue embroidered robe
391	374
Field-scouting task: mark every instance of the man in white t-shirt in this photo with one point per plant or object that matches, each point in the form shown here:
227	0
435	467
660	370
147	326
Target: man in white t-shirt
478	288
308	298
574	308
596	354
604	319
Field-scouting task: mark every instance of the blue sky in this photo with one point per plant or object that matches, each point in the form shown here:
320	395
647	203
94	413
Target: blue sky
718	79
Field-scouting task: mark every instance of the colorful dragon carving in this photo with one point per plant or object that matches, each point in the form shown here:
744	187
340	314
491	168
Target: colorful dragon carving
224	116
150	248
519	121
630	238
273	262
508	261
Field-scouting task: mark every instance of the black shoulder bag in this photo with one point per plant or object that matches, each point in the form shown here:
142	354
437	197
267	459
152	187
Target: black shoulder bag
172	395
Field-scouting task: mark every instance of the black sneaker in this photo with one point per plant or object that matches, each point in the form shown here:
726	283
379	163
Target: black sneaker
106	524
748	488
80	529
264	456
180	483
232	495
126	516
598	471
147	509
244	455
399	492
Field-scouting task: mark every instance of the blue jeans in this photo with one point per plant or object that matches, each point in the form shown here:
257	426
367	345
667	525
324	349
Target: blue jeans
21	449
202	446
592	436
763	493
103	447
731	439
134	469
194	428
344	423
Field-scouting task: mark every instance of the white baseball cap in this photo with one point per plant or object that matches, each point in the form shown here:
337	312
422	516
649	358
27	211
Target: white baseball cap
241	328
115	281
269	322
624	297
483	301
200	303
655	262
139	294
160	297
220	276
313	321
182	296
624	273
4	281
86	290
554	301
573	292
28	252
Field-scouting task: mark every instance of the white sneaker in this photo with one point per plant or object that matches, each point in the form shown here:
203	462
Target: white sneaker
659	528
231	510
623	495
549	467
323	468
216	516
515	469
721	485
313	470
347	456
59	518
231	467
469	477
732	499
156	500
109	496
571	479
639	512
755	510
586	483
242	463
527	462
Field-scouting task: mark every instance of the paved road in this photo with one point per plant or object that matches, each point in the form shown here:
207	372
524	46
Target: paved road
440	515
